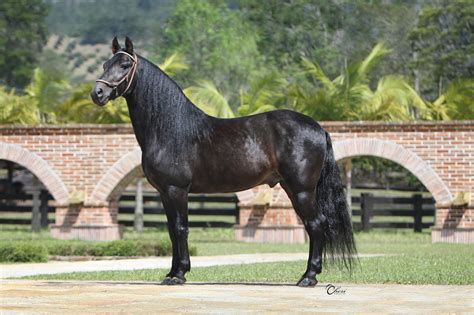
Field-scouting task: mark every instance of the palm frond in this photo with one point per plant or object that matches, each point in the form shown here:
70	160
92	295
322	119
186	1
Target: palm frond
79	108
174	64
16	109
375	56
315	70
207	97
48	93
262	95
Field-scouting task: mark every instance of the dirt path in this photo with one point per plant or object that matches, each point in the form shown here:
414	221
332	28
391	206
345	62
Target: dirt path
19	296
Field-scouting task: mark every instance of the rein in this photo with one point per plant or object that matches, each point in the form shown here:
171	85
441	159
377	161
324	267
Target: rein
130	73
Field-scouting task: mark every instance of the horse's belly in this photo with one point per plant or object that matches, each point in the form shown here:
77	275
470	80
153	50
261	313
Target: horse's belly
223	180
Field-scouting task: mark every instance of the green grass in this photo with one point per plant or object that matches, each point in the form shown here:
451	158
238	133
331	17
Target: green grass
404	269
411	259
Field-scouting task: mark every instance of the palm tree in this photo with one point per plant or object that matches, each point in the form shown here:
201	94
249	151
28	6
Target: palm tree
263	95
16	109
174	64
457	102
48	92
79	108
207	97
391	101
349	96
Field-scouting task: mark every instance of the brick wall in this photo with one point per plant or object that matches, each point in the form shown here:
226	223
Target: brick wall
88	165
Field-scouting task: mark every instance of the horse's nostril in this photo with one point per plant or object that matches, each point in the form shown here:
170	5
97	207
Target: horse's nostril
99	92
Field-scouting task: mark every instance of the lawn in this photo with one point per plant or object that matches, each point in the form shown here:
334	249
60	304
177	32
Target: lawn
405	269
410	258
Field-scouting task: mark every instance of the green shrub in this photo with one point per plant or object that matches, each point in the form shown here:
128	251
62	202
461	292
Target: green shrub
36	251
23	252
91	68
59	41
70	47
114	248
69	248
132	248
79	61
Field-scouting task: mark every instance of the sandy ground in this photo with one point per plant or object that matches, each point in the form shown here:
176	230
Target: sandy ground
21	296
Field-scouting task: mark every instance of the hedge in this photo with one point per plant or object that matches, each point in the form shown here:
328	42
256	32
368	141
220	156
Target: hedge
38	251
23	252
114	248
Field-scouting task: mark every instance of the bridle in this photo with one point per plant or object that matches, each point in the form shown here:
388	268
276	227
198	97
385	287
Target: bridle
128	77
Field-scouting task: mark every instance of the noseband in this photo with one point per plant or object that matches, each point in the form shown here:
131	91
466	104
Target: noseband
128	77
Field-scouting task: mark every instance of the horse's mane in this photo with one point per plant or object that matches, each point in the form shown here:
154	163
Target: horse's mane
166	109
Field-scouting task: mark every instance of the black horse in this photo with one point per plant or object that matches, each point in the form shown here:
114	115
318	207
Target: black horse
186	151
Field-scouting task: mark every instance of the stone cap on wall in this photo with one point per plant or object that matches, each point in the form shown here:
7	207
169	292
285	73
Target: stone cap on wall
330	126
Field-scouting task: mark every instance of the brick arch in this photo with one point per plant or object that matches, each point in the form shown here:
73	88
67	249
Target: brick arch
123	171
39	167
398	154
117	178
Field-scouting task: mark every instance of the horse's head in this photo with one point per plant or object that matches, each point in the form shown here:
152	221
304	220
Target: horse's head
118	75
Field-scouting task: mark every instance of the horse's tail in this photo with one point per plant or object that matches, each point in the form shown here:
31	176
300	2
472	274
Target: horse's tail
339	239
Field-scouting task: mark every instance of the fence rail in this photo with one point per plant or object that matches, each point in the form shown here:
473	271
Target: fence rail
375	212
372	207
199	205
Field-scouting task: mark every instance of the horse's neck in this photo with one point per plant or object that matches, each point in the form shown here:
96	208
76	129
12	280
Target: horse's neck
160	112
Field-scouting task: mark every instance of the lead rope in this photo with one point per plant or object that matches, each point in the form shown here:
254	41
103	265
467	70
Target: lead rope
132	71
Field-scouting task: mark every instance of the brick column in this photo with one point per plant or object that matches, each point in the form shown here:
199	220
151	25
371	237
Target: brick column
87	222
269	217
454	224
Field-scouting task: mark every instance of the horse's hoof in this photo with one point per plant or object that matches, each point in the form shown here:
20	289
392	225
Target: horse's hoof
307	282
166	281
176	281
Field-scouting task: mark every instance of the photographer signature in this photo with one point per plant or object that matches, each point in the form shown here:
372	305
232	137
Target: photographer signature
331	289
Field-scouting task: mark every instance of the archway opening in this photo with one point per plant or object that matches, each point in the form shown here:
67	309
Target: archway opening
384	194
140	206
25	201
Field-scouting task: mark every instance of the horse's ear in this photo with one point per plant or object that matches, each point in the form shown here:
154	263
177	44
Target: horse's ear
115	45
128	45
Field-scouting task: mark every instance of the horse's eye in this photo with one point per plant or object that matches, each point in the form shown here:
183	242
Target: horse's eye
124	66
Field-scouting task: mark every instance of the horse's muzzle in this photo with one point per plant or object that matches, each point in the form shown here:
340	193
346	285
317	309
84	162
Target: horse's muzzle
100	94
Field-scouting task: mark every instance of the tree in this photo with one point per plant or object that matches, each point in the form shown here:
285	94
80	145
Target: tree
442	41
206	96
22	35
350	97
16	109
174	64
289	29
97	21
48	92
457	102
218	44
366	23
265	93
79	108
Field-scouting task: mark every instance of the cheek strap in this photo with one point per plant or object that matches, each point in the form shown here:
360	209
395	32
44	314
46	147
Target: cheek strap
128	77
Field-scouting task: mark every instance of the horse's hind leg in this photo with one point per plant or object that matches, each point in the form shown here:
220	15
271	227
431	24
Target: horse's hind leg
305	206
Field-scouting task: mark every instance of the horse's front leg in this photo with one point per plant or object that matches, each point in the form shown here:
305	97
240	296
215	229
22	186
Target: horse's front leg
175	201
